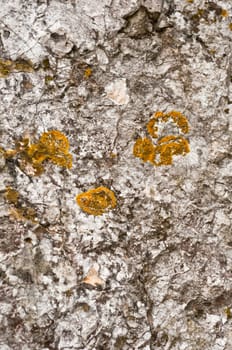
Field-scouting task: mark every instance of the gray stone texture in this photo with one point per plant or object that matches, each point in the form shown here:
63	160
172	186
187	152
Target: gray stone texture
163	257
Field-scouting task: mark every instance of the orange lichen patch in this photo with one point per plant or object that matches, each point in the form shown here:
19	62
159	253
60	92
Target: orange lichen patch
178	118
11	195
97	201
230	26
224	13
29	164
168	147
88	72
144	149
55	141
17	210
53	146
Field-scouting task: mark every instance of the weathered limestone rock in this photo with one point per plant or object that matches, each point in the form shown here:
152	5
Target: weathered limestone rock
154	271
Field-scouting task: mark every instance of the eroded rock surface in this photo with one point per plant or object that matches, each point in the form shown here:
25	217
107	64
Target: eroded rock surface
154	272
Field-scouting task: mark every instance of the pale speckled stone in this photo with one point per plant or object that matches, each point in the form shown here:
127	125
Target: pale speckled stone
165	252
117	92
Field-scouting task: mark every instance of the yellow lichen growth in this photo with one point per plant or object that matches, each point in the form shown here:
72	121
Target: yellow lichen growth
9	153
97	201
151	128
230	26
228	313
224	13
11	195
113	155
19	65
144	149
178	118
17	210
52	146
88	73
168	147
5	68
48	79
55	141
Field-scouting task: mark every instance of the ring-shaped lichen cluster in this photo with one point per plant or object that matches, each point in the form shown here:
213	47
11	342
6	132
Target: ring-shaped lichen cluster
168	146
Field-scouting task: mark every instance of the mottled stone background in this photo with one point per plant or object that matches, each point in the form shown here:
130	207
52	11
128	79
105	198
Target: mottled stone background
163	257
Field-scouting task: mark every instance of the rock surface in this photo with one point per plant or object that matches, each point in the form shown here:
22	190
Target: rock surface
155	272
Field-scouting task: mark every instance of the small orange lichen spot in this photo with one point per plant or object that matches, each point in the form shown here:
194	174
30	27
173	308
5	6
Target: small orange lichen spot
11	195
88	73
113	155
230	26
169	146
144	149
48	79
97	201
224	13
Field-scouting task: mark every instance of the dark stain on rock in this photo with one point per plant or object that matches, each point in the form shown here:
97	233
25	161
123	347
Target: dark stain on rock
24	275
140	23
